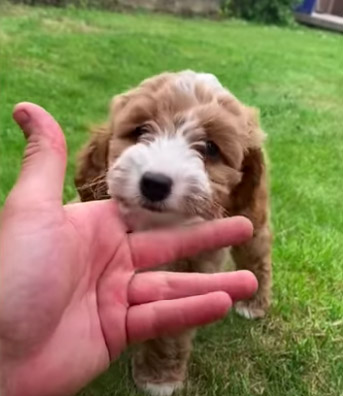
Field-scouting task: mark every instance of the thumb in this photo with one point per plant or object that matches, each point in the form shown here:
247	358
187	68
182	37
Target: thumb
42	174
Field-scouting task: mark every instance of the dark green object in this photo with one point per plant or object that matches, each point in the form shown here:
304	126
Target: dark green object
277	12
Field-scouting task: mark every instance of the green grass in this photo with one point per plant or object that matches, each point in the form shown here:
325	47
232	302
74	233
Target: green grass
72	62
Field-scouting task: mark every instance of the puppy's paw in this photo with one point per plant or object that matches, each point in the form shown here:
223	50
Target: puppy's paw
163	389
250	309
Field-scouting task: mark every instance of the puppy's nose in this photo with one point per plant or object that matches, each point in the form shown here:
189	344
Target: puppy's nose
155	186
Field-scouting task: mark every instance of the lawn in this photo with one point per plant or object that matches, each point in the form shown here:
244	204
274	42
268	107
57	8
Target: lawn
73	61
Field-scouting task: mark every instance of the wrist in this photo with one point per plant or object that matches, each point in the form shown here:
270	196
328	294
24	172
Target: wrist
5	379
11	379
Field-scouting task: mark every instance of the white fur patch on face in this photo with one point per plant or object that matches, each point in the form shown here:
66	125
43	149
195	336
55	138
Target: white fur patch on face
166	389
168	155
186	80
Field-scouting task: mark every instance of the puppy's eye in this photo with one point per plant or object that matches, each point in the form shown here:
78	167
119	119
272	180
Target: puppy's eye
212	150
138	132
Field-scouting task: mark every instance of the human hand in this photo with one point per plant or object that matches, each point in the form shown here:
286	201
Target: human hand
70	300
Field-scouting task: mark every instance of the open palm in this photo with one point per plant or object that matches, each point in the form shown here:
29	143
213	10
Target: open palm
70	298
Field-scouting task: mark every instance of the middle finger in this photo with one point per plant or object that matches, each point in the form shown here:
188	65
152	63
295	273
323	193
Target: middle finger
154	286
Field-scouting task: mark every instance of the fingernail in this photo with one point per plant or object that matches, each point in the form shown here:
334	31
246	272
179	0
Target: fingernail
22	117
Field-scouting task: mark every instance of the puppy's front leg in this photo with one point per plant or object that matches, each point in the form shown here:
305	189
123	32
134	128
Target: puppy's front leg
255	255
159	366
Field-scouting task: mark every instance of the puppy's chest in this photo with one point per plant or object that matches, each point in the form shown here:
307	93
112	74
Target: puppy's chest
138	219
209	262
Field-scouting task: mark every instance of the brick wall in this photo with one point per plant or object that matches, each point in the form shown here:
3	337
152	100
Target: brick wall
185	7
197	7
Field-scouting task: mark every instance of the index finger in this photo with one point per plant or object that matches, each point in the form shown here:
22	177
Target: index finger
153	248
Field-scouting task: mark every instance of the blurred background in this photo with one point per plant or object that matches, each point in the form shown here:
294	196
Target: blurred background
281	56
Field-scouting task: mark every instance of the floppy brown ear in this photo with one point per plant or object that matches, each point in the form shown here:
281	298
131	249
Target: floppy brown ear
250	196
246	191
90	177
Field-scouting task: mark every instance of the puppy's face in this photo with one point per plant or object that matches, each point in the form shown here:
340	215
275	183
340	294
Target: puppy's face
177	146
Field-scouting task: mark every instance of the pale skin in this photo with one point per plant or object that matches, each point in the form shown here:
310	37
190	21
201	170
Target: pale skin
70	297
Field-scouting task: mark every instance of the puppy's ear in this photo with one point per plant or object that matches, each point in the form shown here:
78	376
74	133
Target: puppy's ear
252	170
251	192
90	178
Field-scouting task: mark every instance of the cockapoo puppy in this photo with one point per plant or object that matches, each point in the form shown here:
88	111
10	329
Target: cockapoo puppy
180	148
